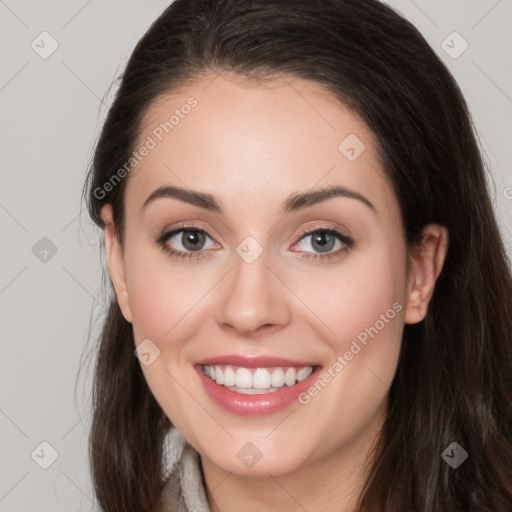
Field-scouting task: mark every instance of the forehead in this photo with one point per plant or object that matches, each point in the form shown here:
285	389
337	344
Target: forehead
249	142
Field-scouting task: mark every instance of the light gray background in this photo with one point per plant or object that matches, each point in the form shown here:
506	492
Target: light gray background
51	112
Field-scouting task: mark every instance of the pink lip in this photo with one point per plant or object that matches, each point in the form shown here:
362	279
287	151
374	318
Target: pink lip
254	361
255	405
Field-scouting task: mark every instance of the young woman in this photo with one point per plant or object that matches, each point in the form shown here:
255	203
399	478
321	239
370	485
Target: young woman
312	304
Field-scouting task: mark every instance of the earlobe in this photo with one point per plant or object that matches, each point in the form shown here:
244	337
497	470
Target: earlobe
115	262
426	261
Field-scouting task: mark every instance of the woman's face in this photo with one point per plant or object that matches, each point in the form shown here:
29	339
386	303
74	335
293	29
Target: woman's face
252	285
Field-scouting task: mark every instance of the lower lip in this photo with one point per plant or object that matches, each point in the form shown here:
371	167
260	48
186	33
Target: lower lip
254	405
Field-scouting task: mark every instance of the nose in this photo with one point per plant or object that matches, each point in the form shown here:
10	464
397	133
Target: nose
252	299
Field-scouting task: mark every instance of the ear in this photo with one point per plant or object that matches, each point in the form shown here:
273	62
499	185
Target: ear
115	261
426	261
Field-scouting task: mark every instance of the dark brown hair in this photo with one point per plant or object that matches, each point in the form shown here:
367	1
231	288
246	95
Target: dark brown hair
454	377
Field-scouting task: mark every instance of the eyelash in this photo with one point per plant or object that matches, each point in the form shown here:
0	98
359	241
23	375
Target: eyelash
345	239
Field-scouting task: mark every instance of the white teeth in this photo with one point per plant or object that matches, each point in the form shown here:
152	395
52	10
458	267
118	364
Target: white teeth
219	376
261	379
243	378
304	373
256	380
289	376
229	376
277	379
251	391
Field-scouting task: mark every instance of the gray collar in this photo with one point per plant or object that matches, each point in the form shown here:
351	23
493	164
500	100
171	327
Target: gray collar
184	489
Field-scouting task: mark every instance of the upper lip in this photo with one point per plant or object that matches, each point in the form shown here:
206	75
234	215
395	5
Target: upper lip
254	361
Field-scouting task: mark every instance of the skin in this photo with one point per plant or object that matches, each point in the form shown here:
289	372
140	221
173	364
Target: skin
252	145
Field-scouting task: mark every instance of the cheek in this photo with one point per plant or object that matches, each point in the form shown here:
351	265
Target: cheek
163	300
159	294
363	306
358	300
364	312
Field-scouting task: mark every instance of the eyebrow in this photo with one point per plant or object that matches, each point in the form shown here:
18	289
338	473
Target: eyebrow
293	203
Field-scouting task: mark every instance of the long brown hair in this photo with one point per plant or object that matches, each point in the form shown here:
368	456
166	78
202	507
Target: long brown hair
454	376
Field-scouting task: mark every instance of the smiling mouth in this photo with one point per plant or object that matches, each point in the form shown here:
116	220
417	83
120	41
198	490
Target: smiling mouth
256	381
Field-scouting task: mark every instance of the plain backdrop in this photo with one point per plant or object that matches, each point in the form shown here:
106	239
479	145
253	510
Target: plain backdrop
52	107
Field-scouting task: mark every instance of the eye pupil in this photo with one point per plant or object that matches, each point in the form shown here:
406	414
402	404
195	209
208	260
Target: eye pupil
324	240
192	239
